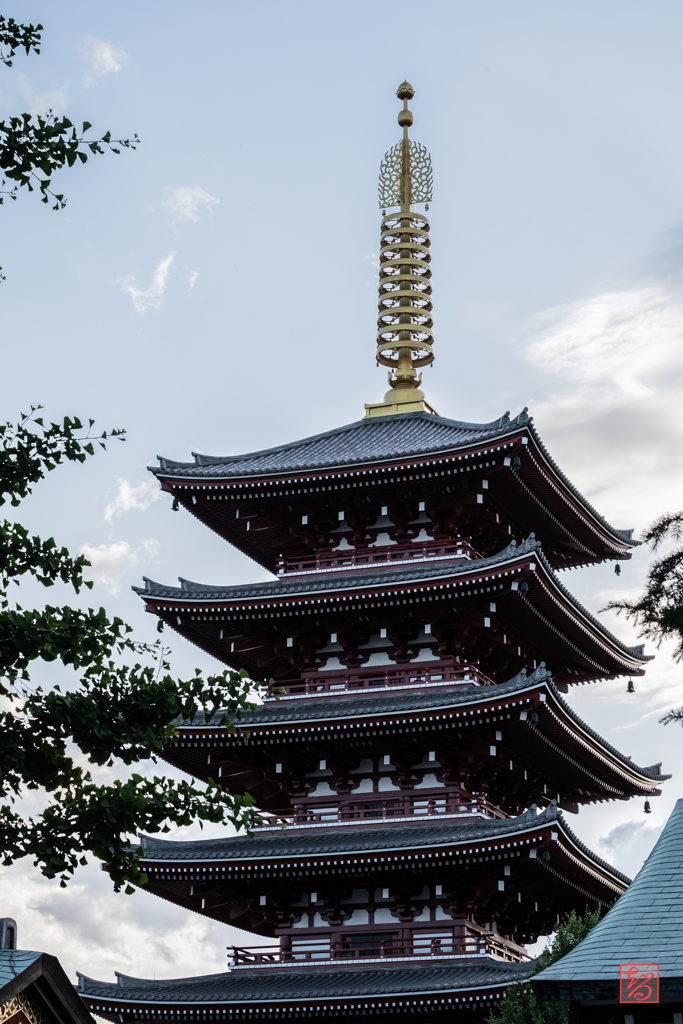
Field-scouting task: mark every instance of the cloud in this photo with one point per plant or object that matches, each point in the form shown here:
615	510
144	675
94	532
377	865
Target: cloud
110	560
611	372
187	202
95	931
151	297
128	497
40	102
608	351
102	58
632	842
193	277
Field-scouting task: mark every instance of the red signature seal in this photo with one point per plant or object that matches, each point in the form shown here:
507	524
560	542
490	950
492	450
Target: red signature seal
639	983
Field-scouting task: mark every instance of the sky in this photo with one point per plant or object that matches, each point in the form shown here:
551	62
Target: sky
215	291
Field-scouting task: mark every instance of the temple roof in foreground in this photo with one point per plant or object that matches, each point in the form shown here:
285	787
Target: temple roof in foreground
34	988
293	986
645	926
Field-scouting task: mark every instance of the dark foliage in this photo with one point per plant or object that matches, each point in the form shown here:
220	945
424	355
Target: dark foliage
15	37
117	711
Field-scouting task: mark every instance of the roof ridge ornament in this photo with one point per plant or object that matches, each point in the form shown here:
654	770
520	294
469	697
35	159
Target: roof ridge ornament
404	324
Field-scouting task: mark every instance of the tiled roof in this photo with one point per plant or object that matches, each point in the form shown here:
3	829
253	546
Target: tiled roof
283	985
378	439
354	706
364	580
14	962
325	842
645	926
366	440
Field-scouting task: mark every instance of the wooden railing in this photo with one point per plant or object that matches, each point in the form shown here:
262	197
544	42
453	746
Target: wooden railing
379	809
369	557
321	951
370	680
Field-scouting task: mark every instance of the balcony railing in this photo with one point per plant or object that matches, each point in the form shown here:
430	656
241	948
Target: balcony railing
322	952
367	558
370	681
387	810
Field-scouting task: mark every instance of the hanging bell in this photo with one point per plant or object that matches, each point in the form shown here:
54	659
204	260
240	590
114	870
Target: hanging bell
175	507
647	808
523	587
545	857
516	463
160	626
630	688
617	569
533	718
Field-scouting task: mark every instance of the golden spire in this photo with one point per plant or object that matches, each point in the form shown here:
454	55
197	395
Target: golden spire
404	325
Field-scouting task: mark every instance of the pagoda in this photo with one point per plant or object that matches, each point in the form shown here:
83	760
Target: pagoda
415	737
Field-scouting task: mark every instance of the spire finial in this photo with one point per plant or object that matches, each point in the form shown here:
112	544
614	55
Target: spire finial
404	339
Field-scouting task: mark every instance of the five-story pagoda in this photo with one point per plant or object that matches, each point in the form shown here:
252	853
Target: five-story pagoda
416	740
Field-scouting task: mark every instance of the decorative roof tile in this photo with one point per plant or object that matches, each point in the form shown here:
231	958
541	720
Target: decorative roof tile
14	962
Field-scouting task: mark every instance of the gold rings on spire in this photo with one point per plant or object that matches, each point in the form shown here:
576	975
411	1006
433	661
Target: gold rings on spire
404	325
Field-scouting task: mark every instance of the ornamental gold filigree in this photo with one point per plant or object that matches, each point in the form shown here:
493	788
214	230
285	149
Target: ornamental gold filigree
22	1003
421	177
392	177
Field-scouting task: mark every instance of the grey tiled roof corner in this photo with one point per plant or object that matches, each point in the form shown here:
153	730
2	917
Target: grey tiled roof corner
366	440
326	842
283	985
653	770
645	926
14	962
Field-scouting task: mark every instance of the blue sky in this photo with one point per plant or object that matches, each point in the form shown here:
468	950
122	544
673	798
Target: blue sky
216	291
